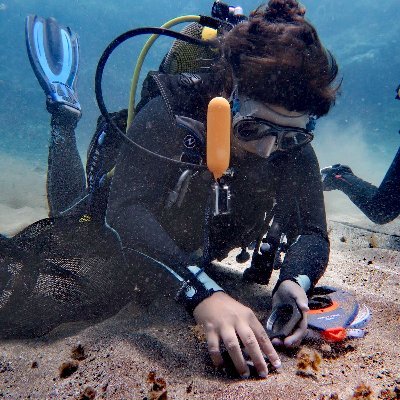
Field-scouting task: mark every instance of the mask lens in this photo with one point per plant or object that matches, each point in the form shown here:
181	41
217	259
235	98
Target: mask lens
252	130
292	139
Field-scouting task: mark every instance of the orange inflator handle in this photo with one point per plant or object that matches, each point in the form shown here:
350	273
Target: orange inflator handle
218	136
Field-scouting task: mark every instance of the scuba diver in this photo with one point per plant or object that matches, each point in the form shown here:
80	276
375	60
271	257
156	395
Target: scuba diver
380	204
277	76
163	207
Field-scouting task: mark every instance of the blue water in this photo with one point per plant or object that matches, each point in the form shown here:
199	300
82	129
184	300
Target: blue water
363	35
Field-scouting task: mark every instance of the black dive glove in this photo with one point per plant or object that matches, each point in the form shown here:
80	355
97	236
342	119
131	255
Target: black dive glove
334	176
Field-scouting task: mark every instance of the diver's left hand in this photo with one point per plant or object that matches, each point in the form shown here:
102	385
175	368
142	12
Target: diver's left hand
290	290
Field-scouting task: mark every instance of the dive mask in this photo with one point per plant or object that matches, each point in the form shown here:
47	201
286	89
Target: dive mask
253	120
248	128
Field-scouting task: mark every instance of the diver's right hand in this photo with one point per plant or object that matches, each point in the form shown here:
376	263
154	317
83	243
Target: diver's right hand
224	318
332	176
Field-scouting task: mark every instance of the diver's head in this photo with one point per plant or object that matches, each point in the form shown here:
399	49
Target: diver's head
276	58
264	129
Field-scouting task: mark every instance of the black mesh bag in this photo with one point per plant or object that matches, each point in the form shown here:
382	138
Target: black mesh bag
60	270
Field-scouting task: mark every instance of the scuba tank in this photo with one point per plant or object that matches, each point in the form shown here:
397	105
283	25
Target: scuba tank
184	56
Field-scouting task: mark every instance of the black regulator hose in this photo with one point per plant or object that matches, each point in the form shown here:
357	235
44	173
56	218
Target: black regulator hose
99	78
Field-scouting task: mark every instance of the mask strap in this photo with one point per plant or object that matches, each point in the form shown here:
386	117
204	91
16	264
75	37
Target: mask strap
312	122
234	98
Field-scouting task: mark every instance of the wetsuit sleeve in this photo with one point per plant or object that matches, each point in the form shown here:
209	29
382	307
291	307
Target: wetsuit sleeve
381	205
308	255
141	184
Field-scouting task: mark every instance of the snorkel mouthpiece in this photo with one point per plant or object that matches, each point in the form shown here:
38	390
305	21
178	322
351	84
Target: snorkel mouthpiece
219	151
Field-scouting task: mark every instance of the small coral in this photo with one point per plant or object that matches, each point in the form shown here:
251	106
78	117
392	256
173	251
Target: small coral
198	332
189	388
78	352
67	368
308	361
373	242
332	396
158	389
388	394
362	392
88	394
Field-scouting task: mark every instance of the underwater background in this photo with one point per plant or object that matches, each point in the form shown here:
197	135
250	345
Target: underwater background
361	130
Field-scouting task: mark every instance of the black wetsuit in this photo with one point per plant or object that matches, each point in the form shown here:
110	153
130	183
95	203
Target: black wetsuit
381	205
69	190
66	183
140	211
85	257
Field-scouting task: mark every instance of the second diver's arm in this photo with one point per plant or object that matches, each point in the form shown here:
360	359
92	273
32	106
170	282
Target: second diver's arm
380	205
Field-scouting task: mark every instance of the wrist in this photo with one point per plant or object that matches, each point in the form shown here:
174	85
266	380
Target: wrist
196	289
302	280
208	300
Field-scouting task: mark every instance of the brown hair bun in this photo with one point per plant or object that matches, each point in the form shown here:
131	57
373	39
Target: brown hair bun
281	11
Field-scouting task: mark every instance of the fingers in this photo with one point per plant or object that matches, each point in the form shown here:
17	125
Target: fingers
213	348
231	342
277	342
255	342
253	349
232	322
294	340
266	346
302	303
300	297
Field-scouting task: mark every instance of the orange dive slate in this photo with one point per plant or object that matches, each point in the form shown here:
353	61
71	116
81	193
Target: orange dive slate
218	136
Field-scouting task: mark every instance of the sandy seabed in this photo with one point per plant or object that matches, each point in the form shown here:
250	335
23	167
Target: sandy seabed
22	193
152	333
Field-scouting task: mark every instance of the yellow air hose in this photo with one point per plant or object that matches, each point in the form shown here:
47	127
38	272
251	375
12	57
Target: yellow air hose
208	34
142	56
